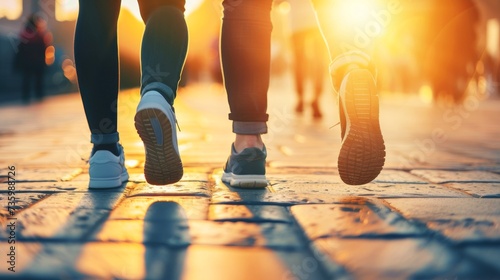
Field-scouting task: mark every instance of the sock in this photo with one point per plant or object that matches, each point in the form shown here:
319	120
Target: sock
107	147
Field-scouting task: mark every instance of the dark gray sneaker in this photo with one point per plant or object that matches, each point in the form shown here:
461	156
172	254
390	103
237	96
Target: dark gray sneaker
362	154
246	169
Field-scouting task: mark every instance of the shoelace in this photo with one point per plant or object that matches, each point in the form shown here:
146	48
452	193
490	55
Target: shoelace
334	125
176	122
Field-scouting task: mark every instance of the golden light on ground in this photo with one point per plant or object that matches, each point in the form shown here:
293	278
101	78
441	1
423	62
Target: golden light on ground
11	9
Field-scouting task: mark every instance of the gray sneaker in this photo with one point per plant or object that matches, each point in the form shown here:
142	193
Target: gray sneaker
107	170
246	169
155	124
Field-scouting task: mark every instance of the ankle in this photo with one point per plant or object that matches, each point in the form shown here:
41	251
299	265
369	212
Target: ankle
113	148
243	141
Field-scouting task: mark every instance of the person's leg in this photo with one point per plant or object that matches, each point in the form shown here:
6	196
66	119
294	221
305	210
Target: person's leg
27	74
299	64
164	47
347	43
318	67
96	59
39	86
362	153
246	56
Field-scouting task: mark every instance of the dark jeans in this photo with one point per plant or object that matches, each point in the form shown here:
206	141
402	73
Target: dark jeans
30	76
245	47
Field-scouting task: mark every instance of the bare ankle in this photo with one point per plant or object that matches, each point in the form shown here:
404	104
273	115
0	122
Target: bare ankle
243	141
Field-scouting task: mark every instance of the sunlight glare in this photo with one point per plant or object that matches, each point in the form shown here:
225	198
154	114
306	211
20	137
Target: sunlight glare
11	9
426	94
355	12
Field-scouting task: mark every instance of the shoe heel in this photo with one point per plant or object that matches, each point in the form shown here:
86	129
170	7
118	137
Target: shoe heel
362	155
163	164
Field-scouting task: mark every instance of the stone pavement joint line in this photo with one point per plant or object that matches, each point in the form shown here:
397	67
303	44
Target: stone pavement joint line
429	214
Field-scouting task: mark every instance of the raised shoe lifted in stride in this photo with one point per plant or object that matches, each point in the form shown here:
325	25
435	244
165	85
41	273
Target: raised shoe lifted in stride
155	123
362	154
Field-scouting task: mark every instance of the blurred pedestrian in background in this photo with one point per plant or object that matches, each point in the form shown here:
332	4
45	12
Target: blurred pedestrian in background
30	56
452	48
309	54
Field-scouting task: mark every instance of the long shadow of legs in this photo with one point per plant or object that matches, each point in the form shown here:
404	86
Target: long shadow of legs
165	224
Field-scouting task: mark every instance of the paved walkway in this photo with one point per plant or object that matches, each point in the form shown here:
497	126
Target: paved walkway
433	213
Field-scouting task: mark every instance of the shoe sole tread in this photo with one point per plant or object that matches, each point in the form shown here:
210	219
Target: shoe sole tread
362	155
163	165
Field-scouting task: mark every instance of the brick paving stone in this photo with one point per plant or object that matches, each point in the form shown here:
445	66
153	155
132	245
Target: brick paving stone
350	220
429	208
189	176
385	259
89	200
249	213
46	175
375	190
481	190
197	232
54	223
459	219
228	263
398	177
454	161
24	254
22	201
180	188
137	261
48	187
487	253
103	261
441	176
265	198
136	208
475	228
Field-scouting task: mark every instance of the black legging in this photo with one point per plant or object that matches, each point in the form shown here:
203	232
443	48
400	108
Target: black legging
163	52
245	47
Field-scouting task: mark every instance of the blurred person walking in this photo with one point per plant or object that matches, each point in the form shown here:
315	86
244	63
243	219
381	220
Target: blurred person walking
452	52
309	58
30	57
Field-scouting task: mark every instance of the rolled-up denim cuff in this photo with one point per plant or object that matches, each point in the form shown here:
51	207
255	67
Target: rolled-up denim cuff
99	138
162	88
249	128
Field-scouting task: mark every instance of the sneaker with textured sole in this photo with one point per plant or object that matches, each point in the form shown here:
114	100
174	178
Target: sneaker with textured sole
155	123
246	169
362	154
107	170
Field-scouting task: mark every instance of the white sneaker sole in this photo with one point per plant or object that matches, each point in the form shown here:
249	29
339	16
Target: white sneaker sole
108	183
155	125
362	154
245	181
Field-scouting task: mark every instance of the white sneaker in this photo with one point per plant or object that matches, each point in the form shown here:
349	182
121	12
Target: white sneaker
107	170
155	124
